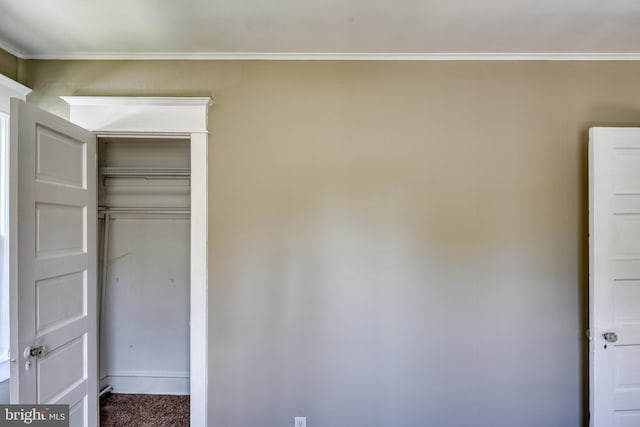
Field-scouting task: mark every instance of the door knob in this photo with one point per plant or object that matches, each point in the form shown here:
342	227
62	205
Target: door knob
37	352
610	337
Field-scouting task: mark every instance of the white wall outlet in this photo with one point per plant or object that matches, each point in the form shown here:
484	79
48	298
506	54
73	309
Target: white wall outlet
300	422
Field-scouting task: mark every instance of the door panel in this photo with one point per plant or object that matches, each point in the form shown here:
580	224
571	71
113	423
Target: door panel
77	413
614	276
53	274
62	369
60	159
630	419
59	300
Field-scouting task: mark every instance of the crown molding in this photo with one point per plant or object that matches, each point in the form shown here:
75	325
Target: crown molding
325	56
300	56
10	48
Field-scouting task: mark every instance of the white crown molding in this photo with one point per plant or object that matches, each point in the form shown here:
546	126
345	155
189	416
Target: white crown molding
326	56
8	47
301	56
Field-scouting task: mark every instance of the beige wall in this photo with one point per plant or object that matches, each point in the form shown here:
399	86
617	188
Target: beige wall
392	243
8	65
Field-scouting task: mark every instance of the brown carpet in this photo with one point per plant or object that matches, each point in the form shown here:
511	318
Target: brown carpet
144	410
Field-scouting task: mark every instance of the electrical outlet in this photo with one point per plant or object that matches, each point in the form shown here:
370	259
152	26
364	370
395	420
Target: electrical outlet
300	422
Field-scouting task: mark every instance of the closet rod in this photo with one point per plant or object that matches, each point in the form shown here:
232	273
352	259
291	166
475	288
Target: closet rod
145	210
145	172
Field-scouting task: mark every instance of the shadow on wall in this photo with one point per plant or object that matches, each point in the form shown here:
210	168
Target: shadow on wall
381	295
105	78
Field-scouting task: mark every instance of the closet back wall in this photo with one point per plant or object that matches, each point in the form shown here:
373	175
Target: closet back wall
146	330
145	335
391	243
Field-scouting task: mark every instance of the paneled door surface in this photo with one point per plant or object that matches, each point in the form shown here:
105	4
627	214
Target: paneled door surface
53	263
614	277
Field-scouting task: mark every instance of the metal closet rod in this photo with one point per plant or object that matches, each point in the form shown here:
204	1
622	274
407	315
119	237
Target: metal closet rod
145	210
145	172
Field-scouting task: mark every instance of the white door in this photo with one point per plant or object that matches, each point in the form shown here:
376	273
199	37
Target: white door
53	263
614	277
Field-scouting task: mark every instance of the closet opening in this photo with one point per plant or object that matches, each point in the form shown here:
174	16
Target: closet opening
144	187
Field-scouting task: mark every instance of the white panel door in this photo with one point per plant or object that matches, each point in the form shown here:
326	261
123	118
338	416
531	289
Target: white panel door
53	263
614	277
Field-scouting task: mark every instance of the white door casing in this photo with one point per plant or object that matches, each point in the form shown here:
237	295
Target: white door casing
53	262
8	89
169	117
614	277
108	116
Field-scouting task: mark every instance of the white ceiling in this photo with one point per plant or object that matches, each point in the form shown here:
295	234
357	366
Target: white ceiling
370	29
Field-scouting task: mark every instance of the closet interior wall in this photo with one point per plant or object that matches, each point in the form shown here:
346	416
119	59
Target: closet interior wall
144	225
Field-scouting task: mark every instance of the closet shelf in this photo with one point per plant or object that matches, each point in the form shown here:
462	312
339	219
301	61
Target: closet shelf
145	172
145	210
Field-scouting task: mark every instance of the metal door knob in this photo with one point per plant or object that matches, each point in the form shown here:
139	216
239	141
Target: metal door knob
610	337
39	352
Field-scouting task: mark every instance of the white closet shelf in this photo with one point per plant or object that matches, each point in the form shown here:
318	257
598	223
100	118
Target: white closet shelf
145	172
150	210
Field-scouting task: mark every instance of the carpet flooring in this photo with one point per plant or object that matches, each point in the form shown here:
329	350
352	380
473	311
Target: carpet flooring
144	410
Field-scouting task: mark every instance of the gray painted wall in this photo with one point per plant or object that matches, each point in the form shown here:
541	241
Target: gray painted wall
391	243
8	64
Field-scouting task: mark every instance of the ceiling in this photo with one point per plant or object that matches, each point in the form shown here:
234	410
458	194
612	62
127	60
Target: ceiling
351	29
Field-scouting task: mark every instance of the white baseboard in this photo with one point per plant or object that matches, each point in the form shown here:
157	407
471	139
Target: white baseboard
147	382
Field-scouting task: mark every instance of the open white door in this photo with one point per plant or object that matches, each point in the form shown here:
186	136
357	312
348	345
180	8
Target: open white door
614	277
53	263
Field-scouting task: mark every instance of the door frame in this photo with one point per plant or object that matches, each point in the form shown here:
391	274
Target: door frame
168	117
8	89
